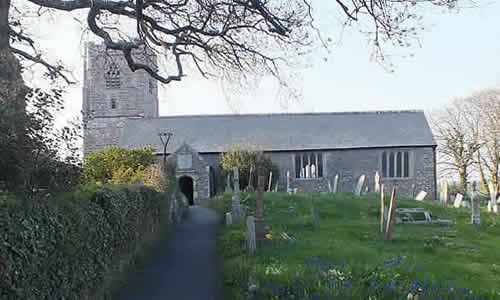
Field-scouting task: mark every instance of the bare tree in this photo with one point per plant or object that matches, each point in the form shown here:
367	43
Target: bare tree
485	108
457	135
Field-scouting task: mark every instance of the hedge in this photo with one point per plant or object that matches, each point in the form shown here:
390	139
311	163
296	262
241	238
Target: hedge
64	249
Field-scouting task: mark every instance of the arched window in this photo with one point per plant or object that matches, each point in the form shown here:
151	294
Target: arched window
112	76
396	164
399	164
384	164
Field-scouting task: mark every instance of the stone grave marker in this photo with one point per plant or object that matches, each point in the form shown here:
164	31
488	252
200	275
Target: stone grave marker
444	193
270	181
475	217
413	190
359	185
377	182
329	185
336	184
259	212
314	213
288	189
421	196
237	212
276	187
251	239
229	219
492	204
228	184
458	200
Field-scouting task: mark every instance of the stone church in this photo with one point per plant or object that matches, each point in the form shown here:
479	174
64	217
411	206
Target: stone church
120	107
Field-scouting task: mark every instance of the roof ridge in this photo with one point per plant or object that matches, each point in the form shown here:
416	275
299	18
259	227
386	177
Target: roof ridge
297	114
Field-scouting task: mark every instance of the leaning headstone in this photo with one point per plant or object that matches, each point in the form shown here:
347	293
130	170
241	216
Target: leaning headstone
276	187
359	185
336	184
329	185
251	244
270	181
421	196
458	200
314	214
475	217
229	219
237	212
377	182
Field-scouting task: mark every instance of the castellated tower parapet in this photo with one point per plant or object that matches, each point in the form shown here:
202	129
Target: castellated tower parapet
112	93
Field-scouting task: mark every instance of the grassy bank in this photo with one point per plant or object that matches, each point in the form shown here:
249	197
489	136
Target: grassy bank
341	255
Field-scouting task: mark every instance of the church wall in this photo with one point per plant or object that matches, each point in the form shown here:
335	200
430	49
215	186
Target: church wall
351	164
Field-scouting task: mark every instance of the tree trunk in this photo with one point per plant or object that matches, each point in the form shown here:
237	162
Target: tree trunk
12	96
484	184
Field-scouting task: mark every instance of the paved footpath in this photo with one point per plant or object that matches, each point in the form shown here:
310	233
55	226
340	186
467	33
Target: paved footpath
184	267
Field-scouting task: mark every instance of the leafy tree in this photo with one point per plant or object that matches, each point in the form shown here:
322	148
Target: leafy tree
244	159
117	165
43	156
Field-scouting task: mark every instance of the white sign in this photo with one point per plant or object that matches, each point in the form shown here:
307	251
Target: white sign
184	161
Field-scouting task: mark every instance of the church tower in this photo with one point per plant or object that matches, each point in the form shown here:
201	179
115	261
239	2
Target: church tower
112	93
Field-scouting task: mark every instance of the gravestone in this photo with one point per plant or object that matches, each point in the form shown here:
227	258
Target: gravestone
359	185
475	217
270	181
228	183
492	204
413	190
250	176
276	187
229	219
444	193
237	212
251	240
329	185
314	214
458	200
259	212
421	196
288	189
377	182
336	184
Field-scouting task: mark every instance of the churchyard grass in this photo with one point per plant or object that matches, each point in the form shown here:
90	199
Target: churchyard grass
342	256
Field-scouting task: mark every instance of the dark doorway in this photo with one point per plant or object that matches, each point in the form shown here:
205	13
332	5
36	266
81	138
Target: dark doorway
186	185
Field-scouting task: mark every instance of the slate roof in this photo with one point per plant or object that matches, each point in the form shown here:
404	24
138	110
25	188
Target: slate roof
282	132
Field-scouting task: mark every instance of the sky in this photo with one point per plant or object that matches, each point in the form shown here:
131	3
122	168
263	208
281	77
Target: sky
459	54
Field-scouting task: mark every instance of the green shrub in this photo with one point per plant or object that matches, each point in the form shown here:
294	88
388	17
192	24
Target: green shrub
64	249
243	159
117	165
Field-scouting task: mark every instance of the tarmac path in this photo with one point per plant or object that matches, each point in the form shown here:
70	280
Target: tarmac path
184	267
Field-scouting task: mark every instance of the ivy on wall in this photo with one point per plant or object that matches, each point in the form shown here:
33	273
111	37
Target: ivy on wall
63	249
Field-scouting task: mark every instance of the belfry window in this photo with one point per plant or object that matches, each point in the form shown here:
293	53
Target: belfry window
395	164
308	165
112	76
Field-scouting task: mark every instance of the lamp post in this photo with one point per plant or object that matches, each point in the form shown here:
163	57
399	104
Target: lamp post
166	136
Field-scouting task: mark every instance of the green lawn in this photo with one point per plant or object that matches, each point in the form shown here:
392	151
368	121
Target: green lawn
341	255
